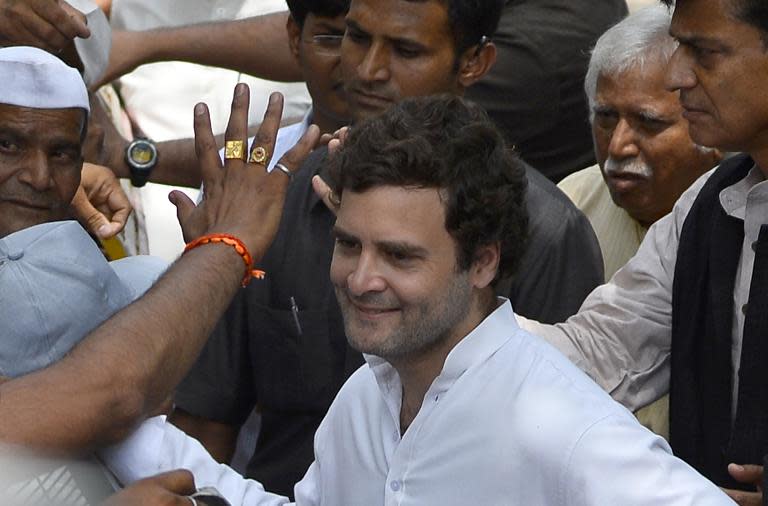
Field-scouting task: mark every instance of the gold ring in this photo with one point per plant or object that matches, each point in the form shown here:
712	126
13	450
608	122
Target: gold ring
234	150
258	155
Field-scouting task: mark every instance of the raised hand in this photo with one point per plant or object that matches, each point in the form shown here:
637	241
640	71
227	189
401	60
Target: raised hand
241	198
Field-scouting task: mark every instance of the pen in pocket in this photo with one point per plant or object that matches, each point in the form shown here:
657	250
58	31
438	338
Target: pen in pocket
295	311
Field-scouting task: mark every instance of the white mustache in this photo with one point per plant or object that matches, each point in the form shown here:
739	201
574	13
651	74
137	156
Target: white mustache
634	166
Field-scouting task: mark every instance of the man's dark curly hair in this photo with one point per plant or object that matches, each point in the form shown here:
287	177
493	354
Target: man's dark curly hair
446	143
752	12
322	8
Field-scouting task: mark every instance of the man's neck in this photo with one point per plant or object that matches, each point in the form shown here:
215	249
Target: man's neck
326	124
418	372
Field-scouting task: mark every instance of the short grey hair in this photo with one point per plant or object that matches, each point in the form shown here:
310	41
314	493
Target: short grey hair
635	41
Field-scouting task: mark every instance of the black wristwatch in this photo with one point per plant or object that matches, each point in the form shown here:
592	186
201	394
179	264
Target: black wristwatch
141	157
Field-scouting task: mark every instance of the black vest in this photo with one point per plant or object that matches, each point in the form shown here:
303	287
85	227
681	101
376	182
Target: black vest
702	316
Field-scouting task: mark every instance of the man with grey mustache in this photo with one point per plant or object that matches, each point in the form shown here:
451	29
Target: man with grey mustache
646	158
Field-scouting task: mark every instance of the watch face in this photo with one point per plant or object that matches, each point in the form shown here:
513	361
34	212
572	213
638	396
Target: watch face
142	154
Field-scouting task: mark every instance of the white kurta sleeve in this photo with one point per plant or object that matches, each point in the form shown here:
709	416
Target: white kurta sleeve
617	461
158	446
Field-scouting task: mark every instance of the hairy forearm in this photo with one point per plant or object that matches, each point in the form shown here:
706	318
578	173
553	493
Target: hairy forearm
256	46
126	368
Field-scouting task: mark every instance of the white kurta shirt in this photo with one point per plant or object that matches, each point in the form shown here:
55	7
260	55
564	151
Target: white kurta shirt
509	421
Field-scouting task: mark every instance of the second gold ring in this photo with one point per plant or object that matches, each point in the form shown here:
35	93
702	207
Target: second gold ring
259	155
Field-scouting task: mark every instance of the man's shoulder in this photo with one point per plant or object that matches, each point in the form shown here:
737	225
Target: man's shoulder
551	206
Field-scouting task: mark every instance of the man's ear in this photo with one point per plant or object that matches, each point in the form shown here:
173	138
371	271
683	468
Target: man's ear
485	265
475	63
294	36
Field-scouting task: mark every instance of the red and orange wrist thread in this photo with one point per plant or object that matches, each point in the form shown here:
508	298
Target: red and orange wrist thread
231	240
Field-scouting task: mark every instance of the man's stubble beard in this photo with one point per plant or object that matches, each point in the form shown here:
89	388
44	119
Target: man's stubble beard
423	327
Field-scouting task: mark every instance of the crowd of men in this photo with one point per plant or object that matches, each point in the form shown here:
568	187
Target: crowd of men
406	309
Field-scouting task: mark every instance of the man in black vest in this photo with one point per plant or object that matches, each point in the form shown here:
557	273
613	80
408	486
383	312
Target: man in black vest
688	313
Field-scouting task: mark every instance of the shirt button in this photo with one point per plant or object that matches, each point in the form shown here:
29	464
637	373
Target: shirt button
15	255
395	486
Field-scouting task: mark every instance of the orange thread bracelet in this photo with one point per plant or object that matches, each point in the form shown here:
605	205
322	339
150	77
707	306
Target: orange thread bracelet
231	240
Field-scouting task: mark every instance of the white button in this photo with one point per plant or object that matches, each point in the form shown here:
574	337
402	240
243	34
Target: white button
396	436
395	486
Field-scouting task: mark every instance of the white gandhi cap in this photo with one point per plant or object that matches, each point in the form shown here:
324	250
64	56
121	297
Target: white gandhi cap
35	78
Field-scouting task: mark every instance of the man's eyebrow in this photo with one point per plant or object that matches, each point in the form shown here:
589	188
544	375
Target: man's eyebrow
322	25
353	25
402	248
603	108
696	40
650	114
340	233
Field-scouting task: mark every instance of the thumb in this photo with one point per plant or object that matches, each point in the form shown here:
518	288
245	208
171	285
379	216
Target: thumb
90	217
184	209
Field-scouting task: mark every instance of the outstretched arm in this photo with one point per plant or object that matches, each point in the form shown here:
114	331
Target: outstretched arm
256	46
126	368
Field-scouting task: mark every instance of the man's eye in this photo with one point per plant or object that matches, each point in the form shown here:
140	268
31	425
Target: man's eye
345	244
605	120
64	155
8	145
328	40
357	37
653	124
408	52
399	256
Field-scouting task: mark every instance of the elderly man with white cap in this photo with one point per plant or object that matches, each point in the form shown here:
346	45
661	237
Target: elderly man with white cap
56	287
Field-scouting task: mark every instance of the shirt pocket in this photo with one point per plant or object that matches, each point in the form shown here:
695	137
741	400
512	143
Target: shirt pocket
296	371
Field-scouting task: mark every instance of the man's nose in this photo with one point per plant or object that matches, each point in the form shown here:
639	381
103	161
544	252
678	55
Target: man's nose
366	276
375	64
36	171
679	75
623	141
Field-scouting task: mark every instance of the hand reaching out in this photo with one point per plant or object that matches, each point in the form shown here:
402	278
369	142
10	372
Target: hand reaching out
47	24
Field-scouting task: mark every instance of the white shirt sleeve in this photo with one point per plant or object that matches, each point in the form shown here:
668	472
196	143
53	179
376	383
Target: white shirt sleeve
158	446
621	336
616	461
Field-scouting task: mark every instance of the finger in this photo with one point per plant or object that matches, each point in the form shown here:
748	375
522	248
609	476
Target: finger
326	194
294	157
333	147
90	217
41	33
265	136
744	498
343	134
746	473
179	482
206	150
72	23
184	208
326	138
237	127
